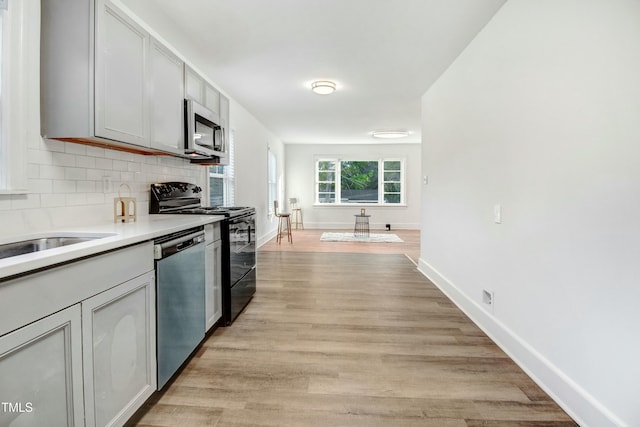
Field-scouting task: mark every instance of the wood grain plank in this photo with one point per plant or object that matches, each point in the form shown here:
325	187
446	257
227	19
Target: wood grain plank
349	339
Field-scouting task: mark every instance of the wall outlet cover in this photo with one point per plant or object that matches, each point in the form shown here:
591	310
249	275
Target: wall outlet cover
488	299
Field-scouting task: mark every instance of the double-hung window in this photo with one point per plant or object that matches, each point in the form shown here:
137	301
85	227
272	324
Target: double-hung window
272	181
346	182
19	71
222	179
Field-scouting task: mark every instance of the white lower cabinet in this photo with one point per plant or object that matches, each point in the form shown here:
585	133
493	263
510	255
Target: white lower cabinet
119	351
213	275
78	341
41	372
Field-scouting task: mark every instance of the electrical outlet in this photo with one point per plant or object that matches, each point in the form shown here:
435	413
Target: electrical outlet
107	185
497	214
488	299
425	180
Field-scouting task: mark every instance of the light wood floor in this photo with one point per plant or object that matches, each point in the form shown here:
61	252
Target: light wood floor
350	339
309	241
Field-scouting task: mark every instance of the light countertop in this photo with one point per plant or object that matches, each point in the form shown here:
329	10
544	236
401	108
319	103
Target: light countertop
119	235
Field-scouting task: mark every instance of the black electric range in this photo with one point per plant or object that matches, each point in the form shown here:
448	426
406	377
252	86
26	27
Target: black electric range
185	198
238	231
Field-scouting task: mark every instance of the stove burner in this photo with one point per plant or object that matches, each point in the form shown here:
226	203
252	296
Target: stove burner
216	210
184	198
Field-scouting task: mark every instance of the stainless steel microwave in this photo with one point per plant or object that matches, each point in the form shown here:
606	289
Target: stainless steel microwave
204	138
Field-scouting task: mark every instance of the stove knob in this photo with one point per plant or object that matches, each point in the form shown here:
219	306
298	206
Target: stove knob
197	189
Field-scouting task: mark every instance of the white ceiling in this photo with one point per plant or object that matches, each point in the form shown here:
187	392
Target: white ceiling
383	55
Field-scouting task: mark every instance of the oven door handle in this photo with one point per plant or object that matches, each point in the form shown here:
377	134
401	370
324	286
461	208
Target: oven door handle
241	248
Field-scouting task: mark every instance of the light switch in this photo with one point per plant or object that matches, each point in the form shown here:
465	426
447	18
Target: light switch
497	214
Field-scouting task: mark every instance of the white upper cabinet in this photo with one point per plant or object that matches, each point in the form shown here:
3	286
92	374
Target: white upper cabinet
121	104
212	98
224	112
167	99
224	120
197	88
104	81
193	85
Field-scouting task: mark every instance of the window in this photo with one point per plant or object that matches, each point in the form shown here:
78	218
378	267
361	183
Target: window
3	102
19	72
326	181
222	179
272	181
379	182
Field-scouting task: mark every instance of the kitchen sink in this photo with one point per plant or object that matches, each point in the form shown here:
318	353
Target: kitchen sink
38	244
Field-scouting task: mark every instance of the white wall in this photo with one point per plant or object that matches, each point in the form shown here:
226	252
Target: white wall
541	115
65	180
300	183
251	137
252	143
65	184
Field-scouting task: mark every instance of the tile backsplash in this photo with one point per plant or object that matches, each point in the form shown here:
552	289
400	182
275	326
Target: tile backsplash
66	184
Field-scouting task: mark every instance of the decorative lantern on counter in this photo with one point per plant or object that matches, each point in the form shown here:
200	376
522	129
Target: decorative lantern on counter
124	208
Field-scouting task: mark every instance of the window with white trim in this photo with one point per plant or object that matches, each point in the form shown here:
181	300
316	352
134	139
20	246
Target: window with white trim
3	88
347	182
272	180
222	179
19	73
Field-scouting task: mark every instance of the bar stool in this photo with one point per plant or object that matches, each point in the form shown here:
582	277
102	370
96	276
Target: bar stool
296	213
284	219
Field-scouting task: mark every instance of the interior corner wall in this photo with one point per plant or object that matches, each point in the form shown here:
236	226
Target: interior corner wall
252	142
540	115
300	183
252	138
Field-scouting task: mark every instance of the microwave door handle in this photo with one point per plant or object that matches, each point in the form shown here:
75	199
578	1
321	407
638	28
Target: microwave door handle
224	140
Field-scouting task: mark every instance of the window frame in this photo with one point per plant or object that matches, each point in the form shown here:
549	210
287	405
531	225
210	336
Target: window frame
272	180
338	179
227	175
20	59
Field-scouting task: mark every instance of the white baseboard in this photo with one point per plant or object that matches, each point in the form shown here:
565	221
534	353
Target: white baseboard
349	226
266	237
578	403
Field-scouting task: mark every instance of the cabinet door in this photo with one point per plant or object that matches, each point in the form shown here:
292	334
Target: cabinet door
167	99
119	351
213	280
193	85
212	98
224	122
224	111
121	96
41	372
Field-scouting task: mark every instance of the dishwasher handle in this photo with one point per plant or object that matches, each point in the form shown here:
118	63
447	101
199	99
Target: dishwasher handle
179	244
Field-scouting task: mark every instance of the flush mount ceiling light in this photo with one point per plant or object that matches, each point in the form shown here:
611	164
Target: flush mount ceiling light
390	134
323	87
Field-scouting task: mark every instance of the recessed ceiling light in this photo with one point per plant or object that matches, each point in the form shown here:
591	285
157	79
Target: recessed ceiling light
390	134
323	87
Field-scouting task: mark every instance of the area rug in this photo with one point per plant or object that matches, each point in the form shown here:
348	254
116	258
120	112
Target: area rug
349	237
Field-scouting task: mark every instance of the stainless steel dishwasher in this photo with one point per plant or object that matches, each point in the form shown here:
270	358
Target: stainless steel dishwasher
180	302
